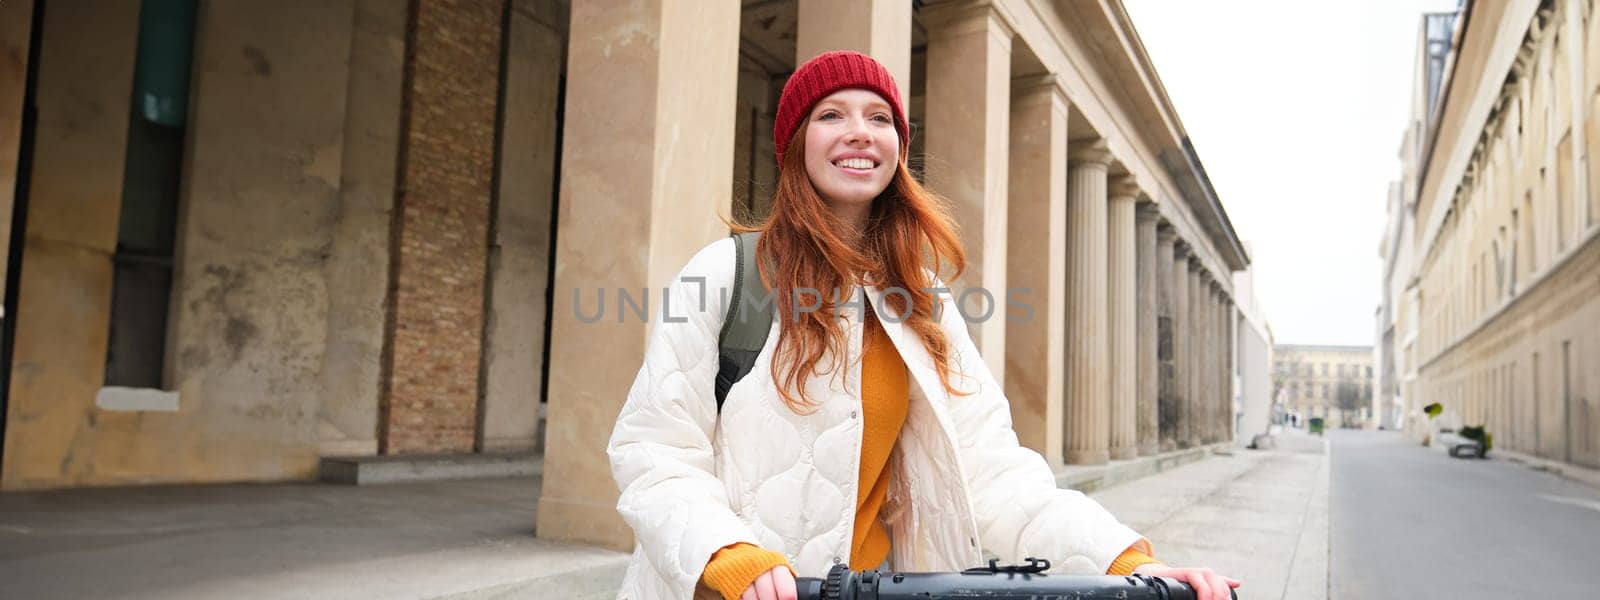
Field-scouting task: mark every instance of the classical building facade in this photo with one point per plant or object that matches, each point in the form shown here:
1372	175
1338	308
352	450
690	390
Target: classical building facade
1309	380
254	235
1495	306
1396	330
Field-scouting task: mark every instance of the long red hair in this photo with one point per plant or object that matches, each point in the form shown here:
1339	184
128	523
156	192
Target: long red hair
907	240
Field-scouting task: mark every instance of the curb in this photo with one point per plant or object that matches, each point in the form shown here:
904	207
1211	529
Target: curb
1308	571
1564	470
1089	478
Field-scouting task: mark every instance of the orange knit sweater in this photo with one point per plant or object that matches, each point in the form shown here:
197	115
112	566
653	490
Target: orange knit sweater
885	393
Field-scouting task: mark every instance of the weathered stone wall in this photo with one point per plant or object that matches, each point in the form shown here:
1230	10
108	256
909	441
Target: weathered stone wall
357	269
252	298
519	251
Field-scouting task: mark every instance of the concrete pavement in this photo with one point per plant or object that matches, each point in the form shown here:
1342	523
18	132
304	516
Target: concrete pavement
1258	516
444	539
1406	522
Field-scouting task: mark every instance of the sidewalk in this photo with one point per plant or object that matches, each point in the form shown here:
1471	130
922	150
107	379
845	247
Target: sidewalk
443	539
1258	516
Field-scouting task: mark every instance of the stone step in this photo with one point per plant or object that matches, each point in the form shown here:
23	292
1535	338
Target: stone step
1087	478
368	470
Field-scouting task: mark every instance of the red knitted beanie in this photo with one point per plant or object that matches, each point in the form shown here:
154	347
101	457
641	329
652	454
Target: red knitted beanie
830	72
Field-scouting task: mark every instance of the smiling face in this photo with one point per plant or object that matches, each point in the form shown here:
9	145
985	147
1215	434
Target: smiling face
852	149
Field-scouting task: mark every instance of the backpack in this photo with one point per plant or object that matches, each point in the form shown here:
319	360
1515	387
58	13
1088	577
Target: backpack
748	320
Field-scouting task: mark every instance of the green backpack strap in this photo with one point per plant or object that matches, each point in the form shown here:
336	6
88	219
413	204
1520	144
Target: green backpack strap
748	321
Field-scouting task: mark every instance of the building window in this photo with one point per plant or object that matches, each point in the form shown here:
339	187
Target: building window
143	260
1590	164
1565	202
1528	249
1439	28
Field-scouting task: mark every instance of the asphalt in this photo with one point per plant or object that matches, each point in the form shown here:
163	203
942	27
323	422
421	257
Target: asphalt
1411	522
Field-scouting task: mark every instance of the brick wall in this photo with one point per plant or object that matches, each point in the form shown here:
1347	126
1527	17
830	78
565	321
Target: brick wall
430	401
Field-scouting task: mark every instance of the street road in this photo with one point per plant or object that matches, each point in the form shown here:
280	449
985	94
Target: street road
1411	522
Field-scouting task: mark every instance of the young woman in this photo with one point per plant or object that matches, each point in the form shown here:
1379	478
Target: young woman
869	431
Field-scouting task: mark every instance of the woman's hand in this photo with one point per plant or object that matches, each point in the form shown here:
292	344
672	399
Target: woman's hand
777	584
1207	584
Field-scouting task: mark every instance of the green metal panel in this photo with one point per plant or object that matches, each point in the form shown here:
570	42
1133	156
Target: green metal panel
166	48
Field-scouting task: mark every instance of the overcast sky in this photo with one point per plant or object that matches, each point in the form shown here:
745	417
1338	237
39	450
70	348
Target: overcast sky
1297	109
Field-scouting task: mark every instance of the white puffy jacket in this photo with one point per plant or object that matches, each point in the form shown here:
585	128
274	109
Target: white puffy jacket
693	482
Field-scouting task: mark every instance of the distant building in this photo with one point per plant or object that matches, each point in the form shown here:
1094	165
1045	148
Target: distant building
1396	317
1308	381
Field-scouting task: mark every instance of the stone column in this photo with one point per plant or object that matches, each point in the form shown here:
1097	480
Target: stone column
1224	400
16	33
1229	359
1209	378
1235	385
1037	266
1224	377
1205	352
86	73
1148	384
1122	297
1208	381
1182	359
359	253
1208	353
1167	411
968	121
634	73
877	28
1195	365
1088	379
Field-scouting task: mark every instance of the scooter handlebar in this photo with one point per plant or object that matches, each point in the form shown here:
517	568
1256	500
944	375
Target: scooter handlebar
989	583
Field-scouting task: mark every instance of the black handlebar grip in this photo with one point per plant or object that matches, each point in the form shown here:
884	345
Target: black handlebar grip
843	584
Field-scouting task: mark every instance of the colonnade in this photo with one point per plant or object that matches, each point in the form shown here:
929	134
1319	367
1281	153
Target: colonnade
1150	354
1121	350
